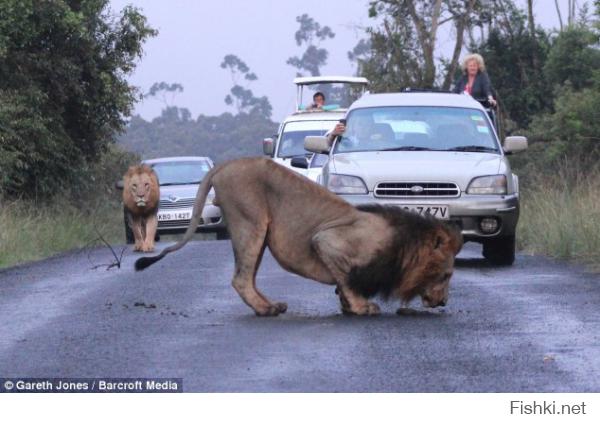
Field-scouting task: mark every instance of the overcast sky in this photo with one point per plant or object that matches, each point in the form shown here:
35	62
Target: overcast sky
195	35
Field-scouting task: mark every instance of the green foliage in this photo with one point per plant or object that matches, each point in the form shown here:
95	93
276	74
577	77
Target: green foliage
30	232
222	137
574	57
511	63
572	130
559	214
310	33
63	92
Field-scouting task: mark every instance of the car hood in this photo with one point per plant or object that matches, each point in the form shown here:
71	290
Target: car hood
417	166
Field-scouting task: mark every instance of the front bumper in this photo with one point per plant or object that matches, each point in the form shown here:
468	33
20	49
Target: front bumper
466	211
212	221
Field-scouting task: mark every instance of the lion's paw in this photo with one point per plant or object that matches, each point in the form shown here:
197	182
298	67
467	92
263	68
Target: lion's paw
272	310
147	249
282	307
368	309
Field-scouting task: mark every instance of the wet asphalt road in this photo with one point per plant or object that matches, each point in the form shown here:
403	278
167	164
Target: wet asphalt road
534	327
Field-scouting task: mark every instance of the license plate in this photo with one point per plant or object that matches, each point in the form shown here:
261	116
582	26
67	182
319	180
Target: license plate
440	212
174	215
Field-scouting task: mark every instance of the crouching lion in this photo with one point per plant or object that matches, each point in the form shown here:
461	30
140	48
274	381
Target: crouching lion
310	231
141	193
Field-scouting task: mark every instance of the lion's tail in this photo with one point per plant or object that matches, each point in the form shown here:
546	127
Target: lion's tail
203	190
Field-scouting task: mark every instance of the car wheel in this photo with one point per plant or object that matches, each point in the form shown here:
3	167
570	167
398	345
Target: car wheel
129	239
222	235
500	251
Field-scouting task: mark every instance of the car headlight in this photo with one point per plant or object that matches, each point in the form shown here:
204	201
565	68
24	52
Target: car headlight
494	184
344	184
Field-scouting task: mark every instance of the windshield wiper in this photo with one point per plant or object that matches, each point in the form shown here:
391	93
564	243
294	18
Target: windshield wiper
408	148
472	148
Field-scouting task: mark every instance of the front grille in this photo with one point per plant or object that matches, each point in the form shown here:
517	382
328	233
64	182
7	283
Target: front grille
163	224
416	189
181	203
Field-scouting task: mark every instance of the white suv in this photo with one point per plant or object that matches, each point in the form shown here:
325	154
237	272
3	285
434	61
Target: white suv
287	146
435	153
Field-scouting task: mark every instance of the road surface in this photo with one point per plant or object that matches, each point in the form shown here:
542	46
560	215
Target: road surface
533	327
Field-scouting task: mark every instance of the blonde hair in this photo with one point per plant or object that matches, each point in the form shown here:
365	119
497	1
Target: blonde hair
473	56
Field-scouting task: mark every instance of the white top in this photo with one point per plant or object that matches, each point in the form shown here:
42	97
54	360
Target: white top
310	80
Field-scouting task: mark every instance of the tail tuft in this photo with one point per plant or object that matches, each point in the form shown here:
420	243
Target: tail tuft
143	262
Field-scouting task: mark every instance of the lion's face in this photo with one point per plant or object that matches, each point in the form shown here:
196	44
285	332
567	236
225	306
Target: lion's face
141	188
430	278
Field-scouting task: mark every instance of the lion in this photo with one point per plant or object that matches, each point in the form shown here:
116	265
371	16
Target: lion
363	251
141	193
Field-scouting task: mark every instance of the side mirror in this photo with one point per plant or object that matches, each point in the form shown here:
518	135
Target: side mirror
515	144
268	147
120	184
317	144
300	162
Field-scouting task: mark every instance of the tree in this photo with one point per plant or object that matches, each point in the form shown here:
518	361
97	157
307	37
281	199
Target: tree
404	43
514	59
574	57
160	90
310	33
241	97
220	137
572	129
63	90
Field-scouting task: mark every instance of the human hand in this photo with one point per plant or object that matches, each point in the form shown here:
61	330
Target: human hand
339	129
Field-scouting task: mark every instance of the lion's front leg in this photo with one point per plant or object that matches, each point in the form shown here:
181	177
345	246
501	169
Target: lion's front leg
150	233
353	304
136	228
334	253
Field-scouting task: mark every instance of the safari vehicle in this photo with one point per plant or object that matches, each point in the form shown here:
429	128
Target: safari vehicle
287	146
179	178
435	153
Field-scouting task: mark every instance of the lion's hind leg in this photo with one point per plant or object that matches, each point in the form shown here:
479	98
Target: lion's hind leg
248	246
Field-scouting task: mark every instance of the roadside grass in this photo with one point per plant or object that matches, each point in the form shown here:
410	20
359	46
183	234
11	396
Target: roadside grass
560	216
29	232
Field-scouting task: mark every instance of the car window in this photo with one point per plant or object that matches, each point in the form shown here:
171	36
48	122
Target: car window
291	142
417	128
318	160
181	173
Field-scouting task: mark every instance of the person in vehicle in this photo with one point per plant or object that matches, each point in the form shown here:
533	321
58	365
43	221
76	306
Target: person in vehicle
318	101
474	80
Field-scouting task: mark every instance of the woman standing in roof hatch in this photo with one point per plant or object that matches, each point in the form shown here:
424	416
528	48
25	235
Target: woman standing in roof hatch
474	80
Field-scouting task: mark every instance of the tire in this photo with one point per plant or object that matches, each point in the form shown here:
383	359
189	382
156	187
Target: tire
129	239
500	251
222	235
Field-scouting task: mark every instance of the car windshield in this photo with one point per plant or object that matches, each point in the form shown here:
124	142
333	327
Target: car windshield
417	129
181	172
291	143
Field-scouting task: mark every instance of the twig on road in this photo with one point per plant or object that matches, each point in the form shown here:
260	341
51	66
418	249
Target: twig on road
118	259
